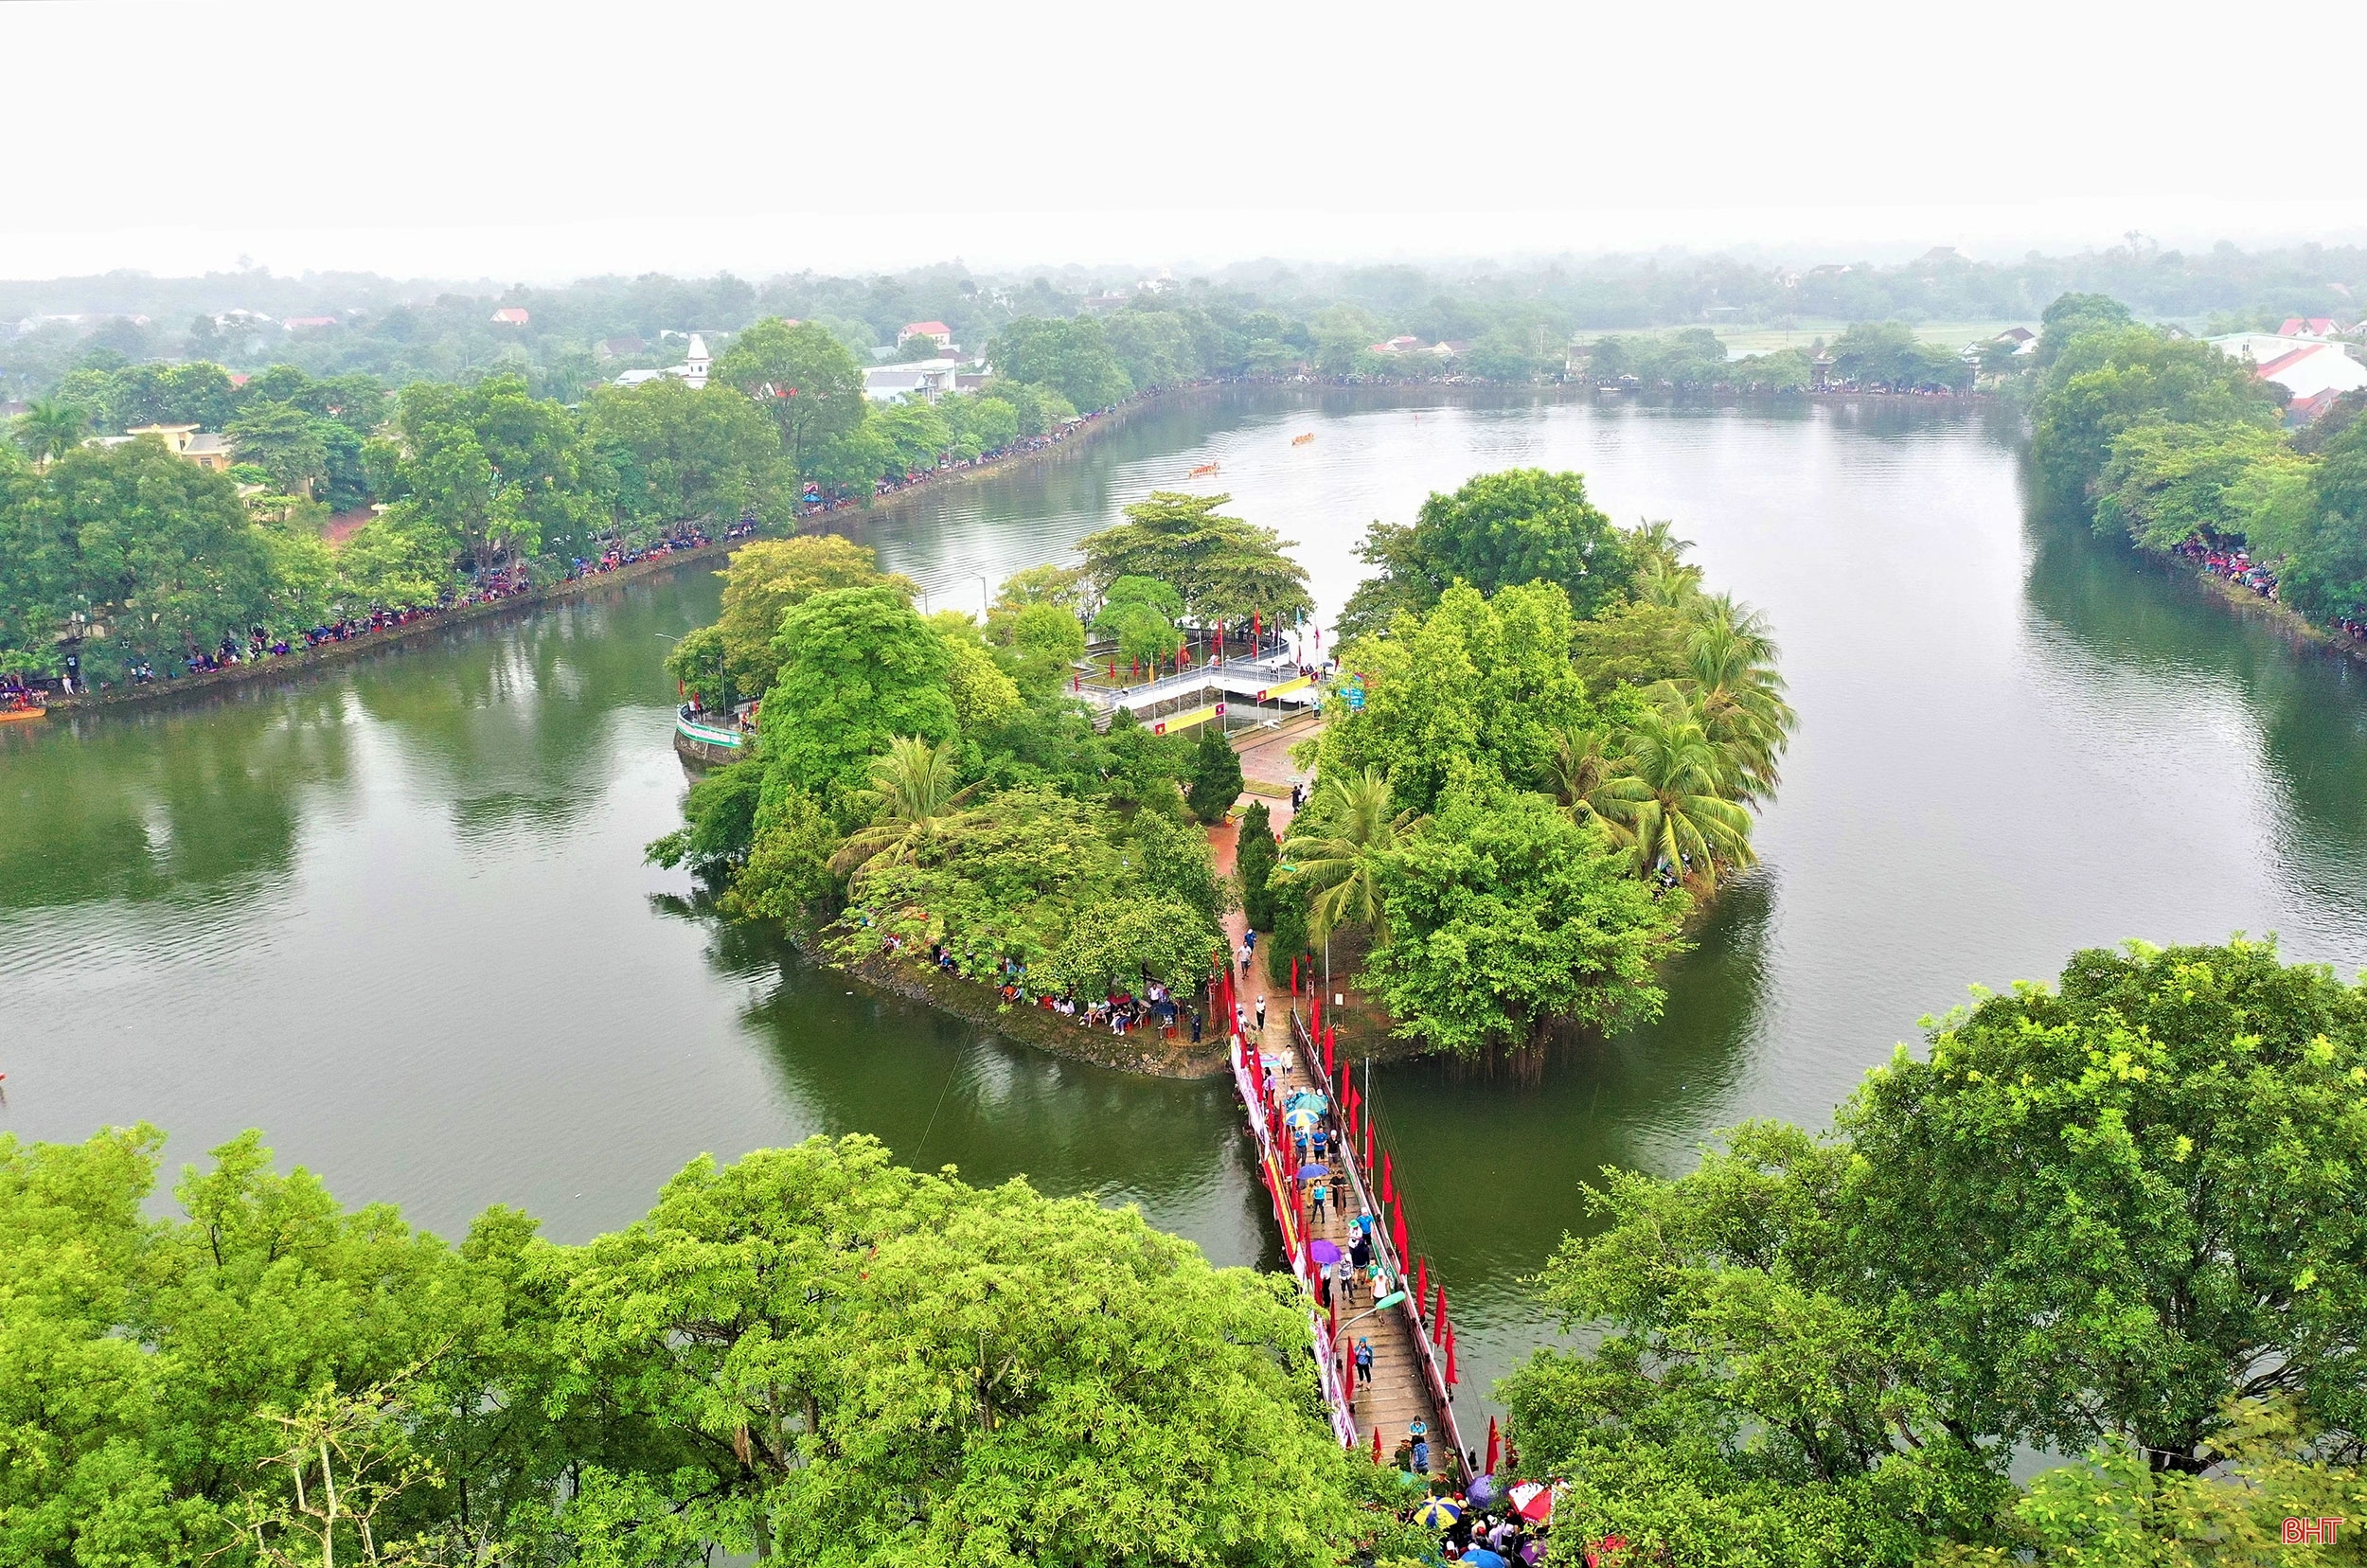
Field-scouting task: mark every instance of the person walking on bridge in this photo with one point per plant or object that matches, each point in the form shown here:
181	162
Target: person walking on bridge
1261	1015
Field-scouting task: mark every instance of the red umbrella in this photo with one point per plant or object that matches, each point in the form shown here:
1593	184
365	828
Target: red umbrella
1532	1499
1493	1450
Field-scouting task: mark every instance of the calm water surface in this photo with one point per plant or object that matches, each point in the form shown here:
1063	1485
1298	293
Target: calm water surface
396	917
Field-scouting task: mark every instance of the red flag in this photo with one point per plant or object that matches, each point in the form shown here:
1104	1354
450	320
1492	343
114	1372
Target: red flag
1347	1376
1388	1183
1440	1318
1328	1066
1421	1287
1492	1450
1396	1229
1376	1445
1257	626
1452	1379
1294	977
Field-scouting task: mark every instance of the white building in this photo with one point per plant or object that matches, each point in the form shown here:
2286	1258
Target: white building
693	371
2311	370
930	378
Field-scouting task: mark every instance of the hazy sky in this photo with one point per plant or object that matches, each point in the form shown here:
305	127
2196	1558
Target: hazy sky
543	141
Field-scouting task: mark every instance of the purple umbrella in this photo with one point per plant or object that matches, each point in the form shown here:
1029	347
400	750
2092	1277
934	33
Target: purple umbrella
1483	1493
1322	1251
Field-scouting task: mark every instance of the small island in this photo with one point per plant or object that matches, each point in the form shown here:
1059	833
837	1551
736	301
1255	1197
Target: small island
1540	740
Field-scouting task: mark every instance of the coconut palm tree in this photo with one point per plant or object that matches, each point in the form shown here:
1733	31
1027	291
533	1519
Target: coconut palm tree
915	785
1679	820
1662	576
1343	865
1587	776
1734	688
50	428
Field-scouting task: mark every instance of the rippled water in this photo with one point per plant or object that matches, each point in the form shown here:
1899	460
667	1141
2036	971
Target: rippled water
396	917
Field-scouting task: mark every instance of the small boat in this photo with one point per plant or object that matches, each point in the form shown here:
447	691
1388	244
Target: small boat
1302	441
1201	472
30	710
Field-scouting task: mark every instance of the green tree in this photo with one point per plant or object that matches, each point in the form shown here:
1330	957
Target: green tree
1139	613
917	435
401	558
1505	917
806	381
859	668
1225	569
1678	821
1253	862
49	428
2167	482
1732	683
2116	1205
676	454
1216	774
280	439
1071	358
876	1366
501	470
1743	1401
1499	530
1473	693
699	662
766	578
919	801
1337	849
2100	382
163	549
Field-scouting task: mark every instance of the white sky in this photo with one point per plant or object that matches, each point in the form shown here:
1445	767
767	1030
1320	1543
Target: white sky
542	142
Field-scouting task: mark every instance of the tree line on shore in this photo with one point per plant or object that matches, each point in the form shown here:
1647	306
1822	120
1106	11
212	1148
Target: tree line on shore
124	557
2168	443
2121	1217
402	331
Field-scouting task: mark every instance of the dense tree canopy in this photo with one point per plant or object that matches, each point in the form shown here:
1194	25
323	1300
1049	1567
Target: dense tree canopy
2120	1214
1499	530
1223	568
811	1354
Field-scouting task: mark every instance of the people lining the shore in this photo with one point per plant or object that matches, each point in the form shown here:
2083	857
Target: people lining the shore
504	584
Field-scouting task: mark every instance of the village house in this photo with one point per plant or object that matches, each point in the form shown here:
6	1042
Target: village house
930	378
618	347
510	316
936	331
187	440
297	324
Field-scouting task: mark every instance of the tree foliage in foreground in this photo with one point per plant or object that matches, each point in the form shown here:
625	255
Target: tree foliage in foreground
2120	1215
810	1354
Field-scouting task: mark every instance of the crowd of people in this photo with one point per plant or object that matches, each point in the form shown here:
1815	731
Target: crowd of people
1119	1011
506	582
2238	567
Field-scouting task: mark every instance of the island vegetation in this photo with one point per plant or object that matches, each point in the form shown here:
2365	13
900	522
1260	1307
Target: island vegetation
1541	750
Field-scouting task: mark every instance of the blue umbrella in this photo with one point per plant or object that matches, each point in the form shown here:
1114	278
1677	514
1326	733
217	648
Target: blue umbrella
1308	1171
1300	1120
1480	1557
1306	1099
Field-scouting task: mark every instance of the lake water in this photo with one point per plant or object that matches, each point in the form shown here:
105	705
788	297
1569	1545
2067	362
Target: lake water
395	915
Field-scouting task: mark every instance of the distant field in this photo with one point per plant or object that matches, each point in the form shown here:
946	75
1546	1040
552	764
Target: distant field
1762	340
